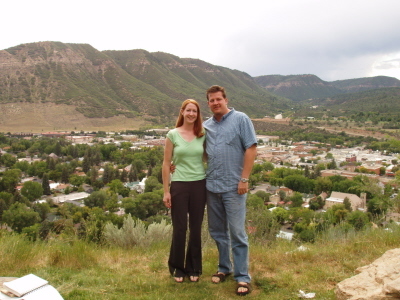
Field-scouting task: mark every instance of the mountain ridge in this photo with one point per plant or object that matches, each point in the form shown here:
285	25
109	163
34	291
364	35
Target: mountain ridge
133	83
307	86
141	87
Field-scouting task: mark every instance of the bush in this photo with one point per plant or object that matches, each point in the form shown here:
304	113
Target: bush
264	225
307	235
134	233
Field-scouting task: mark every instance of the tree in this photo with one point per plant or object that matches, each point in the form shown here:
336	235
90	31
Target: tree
20	216
46	184
132	175
152	184
322	184
7	198
379	205
332	164
329	155
64	174
299	183
10	180
111	203
108	173
7	160
307	172
358	219
263	195
96	199
32	190
280	214
116	186
316	203
144	205
86	164
42	209
253	201
76	180
282	195
124	175
339	212
347	204
296	199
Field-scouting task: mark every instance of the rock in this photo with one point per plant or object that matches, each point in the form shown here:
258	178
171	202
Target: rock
378	281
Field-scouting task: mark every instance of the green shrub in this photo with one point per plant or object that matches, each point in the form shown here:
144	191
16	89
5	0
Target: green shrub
134	233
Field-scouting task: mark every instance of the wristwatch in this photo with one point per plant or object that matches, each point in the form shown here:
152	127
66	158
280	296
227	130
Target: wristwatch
244	179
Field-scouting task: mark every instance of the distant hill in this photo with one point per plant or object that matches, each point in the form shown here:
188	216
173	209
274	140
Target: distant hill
133	83
383	100
304	87
58	86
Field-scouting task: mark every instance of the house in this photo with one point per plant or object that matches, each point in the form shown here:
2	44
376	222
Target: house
288	192
61	187
351	158
75	198
276	199
53	156
356	202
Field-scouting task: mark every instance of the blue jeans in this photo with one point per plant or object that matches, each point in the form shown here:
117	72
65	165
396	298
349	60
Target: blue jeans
226	223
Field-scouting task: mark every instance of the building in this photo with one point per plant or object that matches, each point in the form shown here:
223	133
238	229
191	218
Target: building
356	202
75	198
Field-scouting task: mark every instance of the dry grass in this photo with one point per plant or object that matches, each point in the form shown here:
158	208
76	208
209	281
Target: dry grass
279	269
43	117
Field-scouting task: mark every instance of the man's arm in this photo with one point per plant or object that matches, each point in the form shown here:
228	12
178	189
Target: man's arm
248	162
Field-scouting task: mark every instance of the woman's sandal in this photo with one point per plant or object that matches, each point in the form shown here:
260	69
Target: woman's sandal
179	279
194	278
242	285
221	276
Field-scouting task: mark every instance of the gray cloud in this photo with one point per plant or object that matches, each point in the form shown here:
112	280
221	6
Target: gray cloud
334	40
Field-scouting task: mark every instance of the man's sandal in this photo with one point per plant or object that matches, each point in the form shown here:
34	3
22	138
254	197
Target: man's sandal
241	286
220	276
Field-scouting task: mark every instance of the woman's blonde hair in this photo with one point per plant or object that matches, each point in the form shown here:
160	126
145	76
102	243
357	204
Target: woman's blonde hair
198	124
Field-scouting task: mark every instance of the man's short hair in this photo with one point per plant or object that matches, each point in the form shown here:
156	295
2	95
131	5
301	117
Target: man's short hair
215	89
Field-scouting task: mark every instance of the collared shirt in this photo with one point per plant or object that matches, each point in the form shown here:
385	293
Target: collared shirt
226	143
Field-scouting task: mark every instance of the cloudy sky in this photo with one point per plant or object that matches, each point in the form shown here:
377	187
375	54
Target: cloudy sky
333	39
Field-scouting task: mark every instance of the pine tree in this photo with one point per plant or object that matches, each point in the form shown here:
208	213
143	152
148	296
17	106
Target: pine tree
64	175
132	176
45	184
57	149
124	175
86	164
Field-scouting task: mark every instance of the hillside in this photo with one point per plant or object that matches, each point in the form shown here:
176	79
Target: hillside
297	87
133	84
384	101
304	87
364	84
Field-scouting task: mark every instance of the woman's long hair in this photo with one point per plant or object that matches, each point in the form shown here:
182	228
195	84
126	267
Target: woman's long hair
198	124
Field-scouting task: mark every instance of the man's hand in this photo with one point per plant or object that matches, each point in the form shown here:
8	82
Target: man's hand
243	187
172	168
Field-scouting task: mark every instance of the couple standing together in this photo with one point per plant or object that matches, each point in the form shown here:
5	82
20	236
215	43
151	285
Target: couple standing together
228	142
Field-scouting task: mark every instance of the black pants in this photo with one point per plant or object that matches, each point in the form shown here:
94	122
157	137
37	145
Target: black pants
188	200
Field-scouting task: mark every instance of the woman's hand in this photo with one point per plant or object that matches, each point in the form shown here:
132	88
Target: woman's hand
167	200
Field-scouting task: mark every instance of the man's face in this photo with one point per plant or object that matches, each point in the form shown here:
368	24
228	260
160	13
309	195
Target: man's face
217	103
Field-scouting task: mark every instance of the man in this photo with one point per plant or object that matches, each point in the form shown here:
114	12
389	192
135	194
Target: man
231	149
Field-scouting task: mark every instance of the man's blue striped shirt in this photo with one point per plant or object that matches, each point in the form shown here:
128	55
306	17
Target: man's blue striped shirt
226	142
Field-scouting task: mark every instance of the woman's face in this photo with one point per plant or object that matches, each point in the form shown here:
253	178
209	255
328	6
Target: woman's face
190	113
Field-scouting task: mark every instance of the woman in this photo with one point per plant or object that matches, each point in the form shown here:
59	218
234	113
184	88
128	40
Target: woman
186	196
